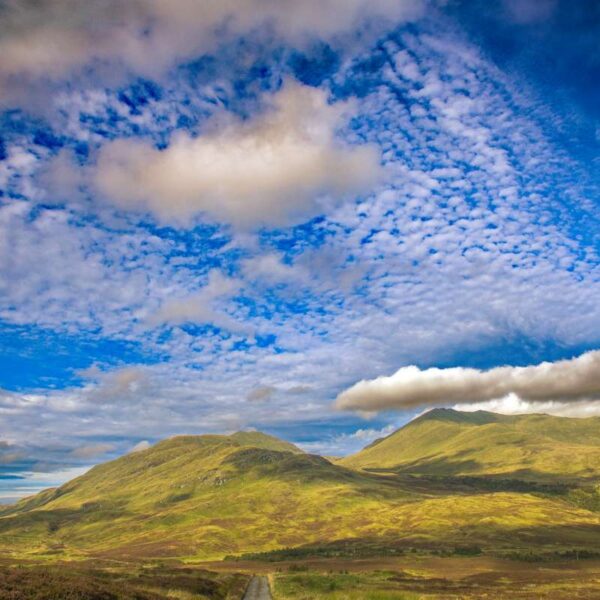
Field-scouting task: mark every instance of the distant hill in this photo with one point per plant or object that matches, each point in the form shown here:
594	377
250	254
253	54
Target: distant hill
194	495
447	442
164	466
205	497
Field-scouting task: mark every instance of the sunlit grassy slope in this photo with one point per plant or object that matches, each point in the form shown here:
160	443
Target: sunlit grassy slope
204	497
447	442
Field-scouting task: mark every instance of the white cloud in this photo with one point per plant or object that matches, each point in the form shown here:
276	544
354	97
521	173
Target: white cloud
347	443
50	39
269	268
116	386
141	446
200	307
513	405
445	257
271	169
562	381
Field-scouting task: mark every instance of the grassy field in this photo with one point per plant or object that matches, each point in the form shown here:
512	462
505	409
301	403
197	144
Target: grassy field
409	578
426	577
557	582
254	512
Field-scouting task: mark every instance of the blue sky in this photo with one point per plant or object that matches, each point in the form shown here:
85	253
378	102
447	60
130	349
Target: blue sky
223	217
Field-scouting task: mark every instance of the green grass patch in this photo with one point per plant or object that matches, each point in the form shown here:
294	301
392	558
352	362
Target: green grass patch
336	586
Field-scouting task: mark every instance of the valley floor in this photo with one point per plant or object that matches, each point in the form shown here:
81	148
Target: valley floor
405	578
427	578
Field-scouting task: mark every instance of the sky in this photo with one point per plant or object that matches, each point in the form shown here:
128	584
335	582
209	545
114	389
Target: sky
317	219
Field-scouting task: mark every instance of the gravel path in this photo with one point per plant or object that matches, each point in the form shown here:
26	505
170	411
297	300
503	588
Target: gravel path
258	589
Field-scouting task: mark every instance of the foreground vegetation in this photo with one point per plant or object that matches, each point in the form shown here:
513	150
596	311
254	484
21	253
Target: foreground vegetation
81	582
405	578
438	579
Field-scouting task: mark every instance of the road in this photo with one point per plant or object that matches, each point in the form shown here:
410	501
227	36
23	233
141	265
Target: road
258	589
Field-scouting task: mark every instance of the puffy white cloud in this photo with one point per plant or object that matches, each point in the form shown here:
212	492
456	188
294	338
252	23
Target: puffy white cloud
117	385
52	38
513	405
270	268
562	381
270	169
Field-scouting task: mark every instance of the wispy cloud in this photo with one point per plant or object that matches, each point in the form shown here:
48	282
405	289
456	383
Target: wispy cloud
347	443
92	451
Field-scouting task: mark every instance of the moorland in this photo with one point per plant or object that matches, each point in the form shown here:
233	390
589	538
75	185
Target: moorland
452	505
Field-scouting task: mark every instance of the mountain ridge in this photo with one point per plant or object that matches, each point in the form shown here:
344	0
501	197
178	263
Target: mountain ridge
205	497
450	442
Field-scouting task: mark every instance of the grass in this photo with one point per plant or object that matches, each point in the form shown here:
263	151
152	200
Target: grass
79	582
206	497
469	507
438	579
336	586
407	578
445	442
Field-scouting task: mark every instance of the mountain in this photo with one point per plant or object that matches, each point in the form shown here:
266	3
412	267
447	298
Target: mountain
447	442
194	496
205	497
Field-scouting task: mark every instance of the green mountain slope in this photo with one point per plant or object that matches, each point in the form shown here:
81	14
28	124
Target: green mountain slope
446	442
204	497
196	495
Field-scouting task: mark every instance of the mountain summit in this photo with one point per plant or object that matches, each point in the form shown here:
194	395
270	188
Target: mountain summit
449	442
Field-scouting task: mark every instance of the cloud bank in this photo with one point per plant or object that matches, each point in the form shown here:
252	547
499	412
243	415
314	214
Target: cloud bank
562	381
513	405
51	39
270	169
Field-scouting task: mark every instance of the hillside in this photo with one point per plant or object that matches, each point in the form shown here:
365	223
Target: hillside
205	497
194	495
445	442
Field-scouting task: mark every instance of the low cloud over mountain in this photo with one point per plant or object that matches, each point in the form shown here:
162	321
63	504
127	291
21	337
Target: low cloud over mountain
565	380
